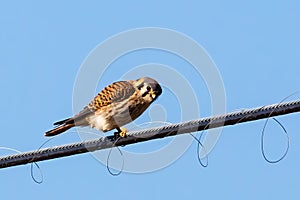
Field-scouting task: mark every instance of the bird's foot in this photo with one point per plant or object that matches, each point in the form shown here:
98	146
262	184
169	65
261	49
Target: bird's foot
121	132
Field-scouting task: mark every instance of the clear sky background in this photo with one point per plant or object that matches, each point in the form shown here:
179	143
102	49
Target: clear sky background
254	44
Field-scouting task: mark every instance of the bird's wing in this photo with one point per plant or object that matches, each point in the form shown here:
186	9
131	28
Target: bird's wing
115	92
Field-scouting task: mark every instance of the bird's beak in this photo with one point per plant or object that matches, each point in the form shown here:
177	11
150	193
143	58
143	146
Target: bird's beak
153	95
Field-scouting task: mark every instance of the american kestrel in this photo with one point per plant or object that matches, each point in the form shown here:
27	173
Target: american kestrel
116	105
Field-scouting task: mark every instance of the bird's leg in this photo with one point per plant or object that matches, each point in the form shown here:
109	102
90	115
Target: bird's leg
121	132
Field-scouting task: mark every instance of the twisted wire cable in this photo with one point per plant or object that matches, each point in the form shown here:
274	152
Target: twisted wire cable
150	134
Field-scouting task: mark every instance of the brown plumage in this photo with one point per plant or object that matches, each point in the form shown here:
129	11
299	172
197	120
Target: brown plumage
116	105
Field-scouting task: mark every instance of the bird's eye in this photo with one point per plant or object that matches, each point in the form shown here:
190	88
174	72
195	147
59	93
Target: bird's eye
148	88
140	86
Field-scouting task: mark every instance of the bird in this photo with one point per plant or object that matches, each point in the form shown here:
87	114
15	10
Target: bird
113	107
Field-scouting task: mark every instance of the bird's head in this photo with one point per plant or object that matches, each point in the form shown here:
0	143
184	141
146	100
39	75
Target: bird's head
149	88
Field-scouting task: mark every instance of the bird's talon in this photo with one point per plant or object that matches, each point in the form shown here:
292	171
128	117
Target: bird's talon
121	133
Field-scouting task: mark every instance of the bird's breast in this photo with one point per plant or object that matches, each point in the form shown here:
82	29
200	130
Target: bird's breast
118	114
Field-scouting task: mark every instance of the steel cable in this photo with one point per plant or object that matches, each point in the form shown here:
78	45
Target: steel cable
152	133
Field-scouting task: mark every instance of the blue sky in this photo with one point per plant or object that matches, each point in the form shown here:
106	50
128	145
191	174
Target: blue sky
254	44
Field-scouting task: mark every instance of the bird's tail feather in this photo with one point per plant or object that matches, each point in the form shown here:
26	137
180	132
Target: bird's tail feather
59	129
64	121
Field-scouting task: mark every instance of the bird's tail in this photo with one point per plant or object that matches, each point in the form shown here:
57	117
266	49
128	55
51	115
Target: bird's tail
62	127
